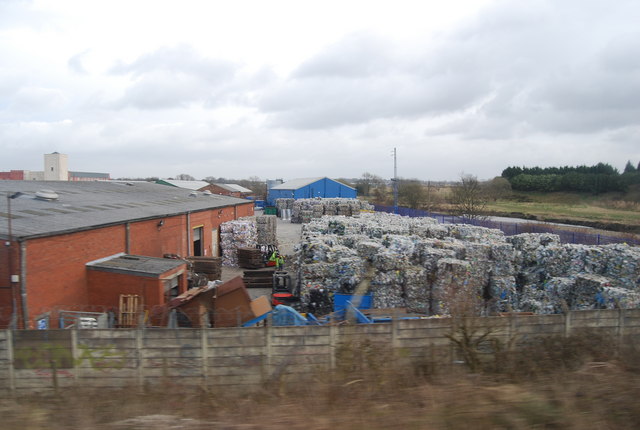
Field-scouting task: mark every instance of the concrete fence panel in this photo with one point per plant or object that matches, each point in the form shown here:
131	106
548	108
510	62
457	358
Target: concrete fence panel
239	357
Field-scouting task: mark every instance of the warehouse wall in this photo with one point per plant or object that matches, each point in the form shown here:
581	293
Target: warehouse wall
102	286
245	357
55	266
324	188
55	273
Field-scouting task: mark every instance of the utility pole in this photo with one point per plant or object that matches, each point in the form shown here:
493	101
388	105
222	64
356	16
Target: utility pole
395	182
9	249
13	278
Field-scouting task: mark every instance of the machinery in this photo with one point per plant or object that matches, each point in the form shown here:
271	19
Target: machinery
281	293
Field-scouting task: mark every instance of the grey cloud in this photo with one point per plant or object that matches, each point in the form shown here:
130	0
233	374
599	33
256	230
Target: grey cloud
172	77
181	59
622	53
343	85
75	62
560	68
177	76
160	90
357	55
29	99
328	102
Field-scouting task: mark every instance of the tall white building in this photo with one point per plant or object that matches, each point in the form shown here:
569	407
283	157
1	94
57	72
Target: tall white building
56	167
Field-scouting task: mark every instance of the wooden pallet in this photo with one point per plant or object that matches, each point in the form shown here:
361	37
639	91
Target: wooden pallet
129	308
258	278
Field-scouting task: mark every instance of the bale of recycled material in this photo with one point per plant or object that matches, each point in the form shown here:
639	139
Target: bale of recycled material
417	288
503	294
452	275
585	289
241	233
415	260
267	230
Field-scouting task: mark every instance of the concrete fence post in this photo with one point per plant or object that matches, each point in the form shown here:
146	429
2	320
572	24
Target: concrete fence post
10	359
139	367
621	317
333	343
74	352
513	329
395	338
204	344
567	323
269	345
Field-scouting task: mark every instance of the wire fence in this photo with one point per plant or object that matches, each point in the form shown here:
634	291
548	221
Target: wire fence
568	234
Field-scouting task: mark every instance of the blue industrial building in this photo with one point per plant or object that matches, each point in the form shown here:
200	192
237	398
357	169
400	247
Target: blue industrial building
307	188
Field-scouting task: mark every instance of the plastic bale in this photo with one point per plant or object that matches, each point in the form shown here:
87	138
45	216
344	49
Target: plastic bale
417	288
451	276
587	290
388	290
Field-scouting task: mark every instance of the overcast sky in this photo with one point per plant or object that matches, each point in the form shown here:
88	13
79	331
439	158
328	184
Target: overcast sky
286	89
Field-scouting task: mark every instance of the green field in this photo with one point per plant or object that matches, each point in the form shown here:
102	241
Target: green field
609	211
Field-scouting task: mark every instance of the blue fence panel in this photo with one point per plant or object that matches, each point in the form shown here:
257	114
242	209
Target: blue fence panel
513	228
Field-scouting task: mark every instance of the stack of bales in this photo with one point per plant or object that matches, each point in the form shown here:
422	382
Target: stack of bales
267	227
418	264
304	210
241	233
282	204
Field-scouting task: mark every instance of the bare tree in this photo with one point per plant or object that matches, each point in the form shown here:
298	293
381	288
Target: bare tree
185	177
368	183
498	188
411	193
468	197
432	197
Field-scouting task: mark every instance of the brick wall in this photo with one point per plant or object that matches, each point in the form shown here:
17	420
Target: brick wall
105	288
55	274
55	266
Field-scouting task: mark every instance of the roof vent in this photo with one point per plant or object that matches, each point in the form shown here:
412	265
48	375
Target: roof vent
48	195
207	192
193	194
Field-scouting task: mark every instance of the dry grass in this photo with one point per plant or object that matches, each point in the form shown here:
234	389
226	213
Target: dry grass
583	382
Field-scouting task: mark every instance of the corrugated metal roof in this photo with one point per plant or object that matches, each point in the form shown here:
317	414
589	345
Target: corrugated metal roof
294	184
189	185
237	188
89	175
225	187
85	205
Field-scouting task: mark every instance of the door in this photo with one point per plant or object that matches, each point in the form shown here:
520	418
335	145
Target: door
197	242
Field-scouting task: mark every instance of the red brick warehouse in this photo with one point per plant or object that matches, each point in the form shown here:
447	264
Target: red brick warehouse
53	230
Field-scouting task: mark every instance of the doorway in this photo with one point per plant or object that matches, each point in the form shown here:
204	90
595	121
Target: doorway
197	242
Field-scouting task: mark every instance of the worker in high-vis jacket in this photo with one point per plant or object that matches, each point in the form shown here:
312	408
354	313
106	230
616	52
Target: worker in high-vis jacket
278	259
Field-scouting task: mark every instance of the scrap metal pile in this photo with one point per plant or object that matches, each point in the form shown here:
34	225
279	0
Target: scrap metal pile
304	210
246	233
423	266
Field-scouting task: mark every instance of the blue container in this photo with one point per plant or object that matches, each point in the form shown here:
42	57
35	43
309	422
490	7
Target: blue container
360	302
259	204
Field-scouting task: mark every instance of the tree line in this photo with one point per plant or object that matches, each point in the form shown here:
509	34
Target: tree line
596	179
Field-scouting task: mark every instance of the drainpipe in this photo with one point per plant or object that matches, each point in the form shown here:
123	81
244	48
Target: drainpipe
127	238
23	284
188	234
